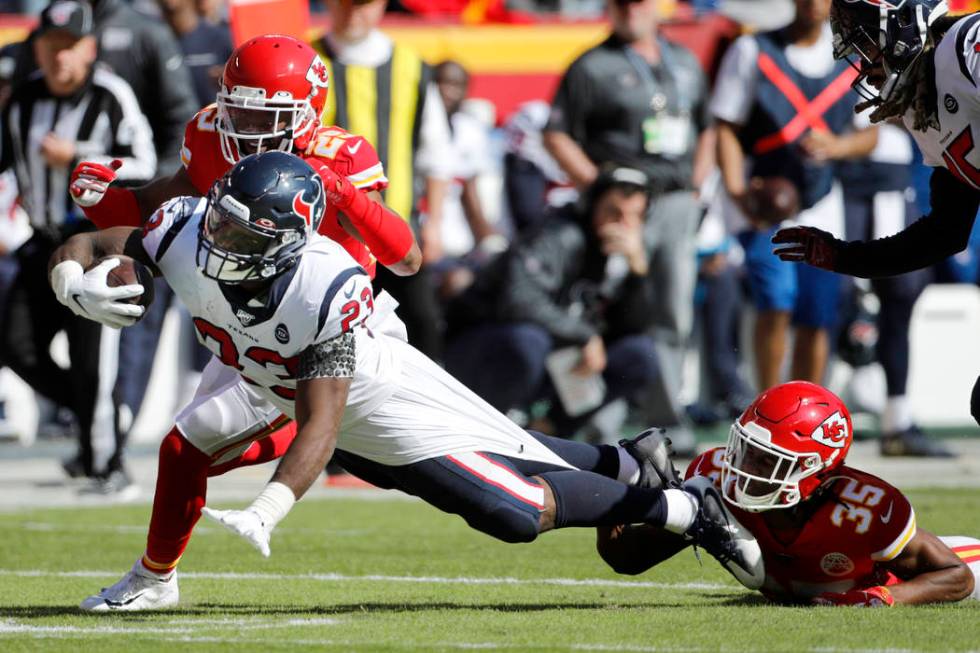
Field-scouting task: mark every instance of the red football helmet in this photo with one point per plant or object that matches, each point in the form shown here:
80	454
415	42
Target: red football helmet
272	95
784	446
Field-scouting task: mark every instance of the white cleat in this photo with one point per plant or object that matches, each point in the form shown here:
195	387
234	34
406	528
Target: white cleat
139	589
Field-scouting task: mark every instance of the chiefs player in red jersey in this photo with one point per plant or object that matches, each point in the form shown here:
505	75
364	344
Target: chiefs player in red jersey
273	91
829	534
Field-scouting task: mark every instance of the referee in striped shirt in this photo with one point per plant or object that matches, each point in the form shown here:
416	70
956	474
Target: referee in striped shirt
69	110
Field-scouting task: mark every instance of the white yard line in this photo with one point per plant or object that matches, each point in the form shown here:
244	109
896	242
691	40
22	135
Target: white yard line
430	580
124	529
184	632
173	626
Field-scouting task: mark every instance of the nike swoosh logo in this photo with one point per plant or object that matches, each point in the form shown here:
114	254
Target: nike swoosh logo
75	297
119	604
354	147
350	294
887	517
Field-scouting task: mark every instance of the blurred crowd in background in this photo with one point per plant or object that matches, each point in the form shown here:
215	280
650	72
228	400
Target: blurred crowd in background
579	251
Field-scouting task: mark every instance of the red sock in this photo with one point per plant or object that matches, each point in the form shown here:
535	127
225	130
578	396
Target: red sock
268	448
182	484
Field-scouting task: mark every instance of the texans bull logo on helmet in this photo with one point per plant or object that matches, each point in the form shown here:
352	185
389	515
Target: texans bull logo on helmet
303	208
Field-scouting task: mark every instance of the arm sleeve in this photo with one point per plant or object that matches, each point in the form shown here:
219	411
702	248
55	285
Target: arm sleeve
335	358
929	240
734	91
533	279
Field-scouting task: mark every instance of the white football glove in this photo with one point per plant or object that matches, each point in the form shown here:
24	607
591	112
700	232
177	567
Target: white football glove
88	295
245	523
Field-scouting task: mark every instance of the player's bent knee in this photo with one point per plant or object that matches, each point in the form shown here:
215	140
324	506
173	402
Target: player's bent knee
175	448
507	524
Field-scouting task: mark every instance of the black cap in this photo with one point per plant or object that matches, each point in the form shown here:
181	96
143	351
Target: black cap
72	16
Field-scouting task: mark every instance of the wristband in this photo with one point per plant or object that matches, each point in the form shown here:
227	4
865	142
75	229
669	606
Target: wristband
118	208
273	503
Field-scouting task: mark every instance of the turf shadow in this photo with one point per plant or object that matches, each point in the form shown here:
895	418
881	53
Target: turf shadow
381	608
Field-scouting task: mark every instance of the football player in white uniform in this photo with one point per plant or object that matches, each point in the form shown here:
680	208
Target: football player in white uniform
920	64
296	334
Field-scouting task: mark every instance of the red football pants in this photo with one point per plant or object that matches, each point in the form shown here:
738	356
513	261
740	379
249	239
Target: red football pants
182	485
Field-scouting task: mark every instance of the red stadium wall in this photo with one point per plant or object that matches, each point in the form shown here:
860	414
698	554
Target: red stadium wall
509	64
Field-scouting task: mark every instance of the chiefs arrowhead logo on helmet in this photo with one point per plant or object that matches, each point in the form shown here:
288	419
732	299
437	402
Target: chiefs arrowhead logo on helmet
832	432
317	73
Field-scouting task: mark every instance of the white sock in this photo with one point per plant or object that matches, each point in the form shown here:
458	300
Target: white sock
682	508
629	469
897	415
146	571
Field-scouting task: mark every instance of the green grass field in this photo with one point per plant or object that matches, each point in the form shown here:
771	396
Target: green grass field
392	575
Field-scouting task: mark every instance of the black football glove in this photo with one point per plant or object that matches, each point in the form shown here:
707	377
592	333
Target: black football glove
807	245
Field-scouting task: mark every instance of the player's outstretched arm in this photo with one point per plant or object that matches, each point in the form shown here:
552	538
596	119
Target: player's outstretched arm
929	240
932	573
320	405
633	549
113	206
324	380
365	216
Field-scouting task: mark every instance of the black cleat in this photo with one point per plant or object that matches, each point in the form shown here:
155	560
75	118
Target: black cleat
653	452
720	534
913	442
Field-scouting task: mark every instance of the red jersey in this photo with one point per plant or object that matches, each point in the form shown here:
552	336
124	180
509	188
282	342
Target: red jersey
346	154
860	522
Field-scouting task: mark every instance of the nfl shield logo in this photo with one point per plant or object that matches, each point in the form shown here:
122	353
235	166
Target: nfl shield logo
282	333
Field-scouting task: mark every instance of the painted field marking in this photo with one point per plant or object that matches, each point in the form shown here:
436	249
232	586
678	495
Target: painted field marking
125	529
432	580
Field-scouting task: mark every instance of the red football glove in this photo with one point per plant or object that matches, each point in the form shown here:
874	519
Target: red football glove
870	597
89	181
807	245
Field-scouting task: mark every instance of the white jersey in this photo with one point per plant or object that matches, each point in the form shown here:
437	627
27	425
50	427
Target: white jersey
401	408
957	63
324	295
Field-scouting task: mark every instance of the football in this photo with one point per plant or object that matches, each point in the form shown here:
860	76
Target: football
770	200
130	271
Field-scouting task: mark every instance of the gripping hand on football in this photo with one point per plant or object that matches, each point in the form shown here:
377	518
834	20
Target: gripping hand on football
88	294
807	245
89	181
871	597
245	523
